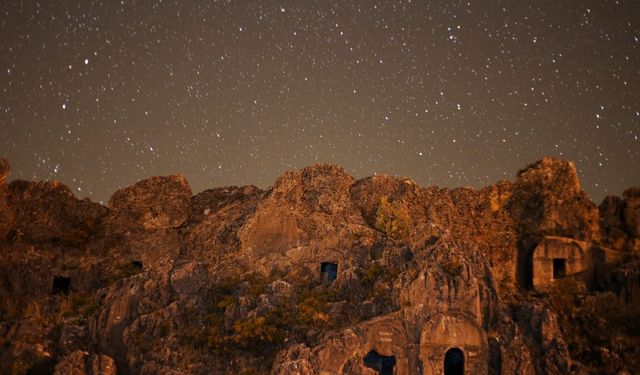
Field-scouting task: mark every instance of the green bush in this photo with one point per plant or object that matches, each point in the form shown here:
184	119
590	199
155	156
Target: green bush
392	219
302	318
257	333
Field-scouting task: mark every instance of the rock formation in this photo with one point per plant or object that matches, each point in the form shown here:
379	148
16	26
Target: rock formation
321	274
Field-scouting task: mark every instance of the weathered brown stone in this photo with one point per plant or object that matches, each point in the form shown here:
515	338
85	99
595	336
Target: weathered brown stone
49	211
231	280
558	257
83	363
154	203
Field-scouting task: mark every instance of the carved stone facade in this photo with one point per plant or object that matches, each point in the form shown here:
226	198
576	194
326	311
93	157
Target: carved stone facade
557	257
453	331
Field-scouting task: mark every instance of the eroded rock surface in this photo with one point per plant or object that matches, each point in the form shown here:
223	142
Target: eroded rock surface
48	211
154	203
320	274
83	363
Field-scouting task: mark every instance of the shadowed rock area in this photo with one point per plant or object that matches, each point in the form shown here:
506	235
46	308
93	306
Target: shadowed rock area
321	274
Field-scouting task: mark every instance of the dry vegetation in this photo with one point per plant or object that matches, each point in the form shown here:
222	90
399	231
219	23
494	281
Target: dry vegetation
392	218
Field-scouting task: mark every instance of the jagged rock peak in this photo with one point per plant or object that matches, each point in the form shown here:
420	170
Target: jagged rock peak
45	211
156	202
549	170
547	200
322	187
157	184
313	175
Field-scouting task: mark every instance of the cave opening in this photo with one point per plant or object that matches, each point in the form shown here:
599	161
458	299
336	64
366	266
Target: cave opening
61	285
381	363
559	268
454	362
328	272
136	264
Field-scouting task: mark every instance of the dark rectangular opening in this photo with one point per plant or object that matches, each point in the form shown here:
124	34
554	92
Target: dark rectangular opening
328	272
383	364
136	264
61	285
559	268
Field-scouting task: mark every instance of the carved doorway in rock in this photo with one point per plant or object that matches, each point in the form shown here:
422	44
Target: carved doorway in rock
454	362
61	285
559	268
381	363
328	272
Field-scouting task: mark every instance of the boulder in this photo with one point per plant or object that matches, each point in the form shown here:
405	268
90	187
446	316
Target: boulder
154	203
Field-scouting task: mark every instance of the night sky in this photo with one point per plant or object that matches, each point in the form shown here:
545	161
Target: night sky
100	94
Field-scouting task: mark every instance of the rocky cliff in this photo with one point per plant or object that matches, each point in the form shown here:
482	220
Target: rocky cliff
321	274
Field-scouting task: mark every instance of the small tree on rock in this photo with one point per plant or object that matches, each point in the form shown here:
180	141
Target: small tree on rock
392	218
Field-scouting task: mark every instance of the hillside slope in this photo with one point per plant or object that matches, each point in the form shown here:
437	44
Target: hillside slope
321	274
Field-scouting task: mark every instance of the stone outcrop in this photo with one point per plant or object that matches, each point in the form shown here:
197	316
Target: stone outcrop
555	258
547	201
620	220
46	212
320	274
83	363
154	203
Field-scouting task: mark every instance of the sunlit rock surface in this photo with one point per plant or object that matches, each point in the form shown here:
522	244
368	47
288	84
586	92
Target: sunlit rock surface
321	274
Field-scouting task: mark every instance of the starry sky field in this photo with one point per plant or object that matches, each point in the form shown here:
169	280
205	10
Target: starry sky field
101	93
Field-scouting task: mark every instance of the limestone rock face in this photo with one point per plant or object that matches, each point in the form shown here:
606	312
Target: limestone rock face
557	257
548	200
447	302
620	220
83	363
294	208
48	212
187	278
542	331
320	274
216	217
306	218
614	231
154	203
